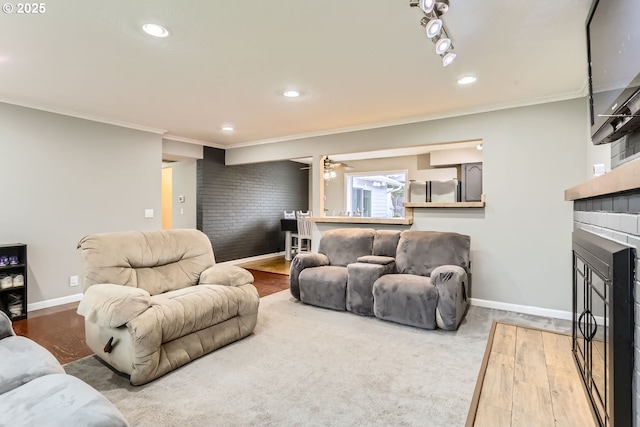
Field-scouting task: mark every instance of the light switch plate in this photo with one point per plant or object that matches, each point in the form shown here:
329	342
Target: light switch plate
73	281
148	213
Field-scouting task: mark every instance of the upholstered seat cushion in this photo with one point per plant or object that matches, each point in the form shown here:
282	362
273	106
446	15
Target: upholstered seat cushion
407	299
58	400
23	360
324	286
180	312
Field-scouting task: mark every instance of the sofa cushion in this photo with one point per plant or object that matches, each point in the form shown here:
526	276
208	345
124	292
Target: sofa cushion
23	360
419	252
184	311
407	299
324	286
156	261
58	400
343	246
385	242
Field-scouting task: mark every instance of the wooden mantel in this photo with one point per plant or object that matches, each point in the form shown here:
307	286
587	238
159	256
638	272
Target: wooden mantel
622	178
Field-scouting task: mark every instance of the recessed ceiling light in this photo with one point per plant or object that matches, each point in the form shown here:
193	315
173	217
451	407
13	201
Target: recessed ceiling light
155	30
479	146
228	128
291	93
466	80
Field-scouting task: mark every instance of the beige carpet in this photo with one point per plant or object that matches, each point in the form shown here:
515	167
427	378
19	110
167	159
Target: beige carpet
308	366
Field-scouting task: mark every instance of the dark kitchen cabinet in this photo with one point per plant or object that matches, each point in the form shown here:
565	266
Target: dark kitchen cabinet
471	182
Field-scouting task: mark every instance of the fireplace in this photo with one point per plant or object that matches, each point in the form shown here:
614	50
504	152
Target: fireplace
603	324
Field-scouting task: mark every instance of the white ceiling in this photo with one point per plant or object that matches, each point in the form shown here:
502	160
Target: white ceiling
358	63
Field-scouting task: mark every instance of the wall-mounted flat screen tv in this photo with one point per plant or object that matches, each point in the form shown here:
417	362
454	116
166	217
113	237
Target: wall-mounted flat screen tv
613	40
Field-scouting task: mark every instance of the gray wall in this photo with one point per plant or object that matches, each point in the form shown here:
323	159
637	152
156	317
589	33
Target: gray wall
63	178
521	241
240	207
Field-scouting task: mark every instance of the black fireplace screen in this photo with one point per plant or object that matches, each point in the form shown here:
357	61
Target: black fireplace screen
603	304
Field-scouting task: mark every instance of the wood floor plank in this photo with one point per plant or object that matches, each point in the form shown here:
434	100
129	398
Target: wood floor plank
492	416
546	389
497	388
531	406
530	366
568	398
504	340
557	350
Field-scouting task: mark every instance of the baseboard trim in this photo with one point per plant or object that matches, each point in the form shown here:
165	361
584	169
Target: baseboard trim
53	302
526	309
253	258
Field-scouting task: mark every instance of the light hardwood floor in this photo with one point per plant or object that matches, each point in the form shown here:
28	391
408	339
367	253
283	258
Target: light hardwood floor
531	380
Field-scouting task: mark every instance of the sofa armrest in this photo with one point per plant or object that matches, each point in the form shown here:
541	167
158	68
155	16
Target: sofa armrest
112	306
299	263
6	330
451	282
376	259
227	275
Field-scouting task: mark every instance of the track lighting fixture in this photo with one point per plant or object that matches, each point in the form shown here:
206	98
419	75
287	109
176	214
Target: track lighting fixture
434	26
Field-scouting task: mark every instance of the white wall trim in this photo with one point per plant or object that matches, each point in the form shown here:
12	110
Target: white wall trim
53	302
526	309
253	258
77	115
417	119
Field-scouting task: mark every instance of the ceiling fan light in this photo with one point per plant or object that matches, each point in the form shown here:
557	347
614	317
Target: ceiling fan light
427	5
448	59
434	27
442	45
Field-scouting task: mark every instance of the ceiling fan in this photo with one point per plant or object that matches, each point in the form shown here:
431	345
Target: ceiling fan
331	164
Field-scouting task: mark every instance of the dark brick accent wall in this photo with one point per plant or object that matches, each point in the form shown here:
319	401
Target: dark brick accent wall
240	207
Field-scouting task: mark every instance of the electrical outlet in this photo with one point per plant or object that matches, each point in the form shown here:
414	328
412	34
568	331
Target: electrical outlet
73	281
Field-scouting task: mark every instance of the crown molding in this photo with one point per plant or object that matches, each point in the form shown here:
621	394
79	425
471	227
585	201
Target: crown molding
77	115
417	119
193	141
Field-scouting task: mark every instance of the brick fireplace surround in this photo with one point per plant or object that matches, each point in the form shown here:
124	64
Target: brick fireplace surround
609	205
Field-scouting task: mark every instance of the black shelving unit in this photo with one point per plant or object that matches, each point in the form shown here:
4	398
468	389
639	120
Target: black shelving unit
13	299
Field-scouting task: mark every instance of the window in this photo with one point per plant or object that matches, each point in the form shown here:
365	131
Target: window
376	194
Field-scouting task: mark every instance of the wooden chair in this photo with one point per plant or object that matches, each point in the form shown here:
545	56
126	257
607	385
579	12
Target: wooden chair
303	236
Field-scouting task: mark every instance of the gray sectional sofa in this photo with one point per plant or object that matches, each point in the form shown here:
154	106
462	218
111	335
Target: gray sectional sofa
417	278
36	391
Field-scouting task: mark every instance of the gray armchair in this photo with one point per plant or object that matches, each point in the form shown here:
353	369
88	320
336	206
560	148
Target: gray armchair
321	278
431	285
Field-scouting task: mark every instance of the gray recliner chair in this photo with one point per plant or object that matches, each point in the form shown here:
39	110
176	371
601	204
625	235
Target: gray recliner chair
431	285
321	278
